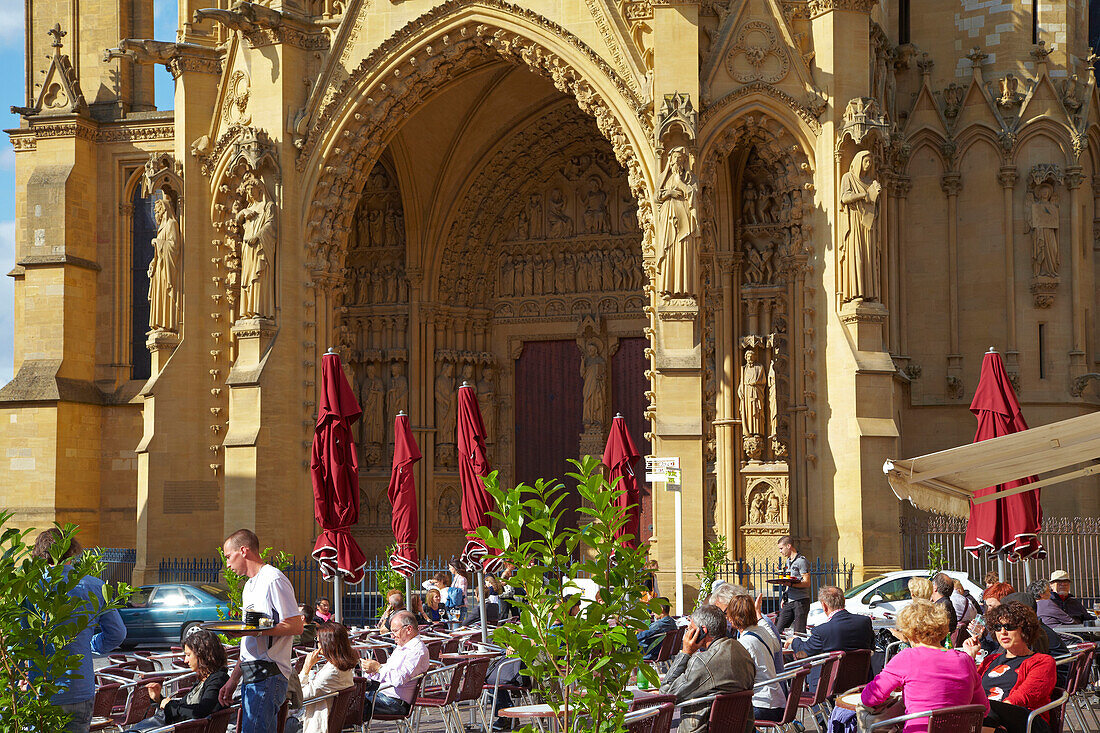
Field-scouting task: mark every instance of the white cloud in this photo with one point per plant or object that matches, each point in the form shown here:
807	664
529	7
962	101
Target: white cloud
11	20
7	299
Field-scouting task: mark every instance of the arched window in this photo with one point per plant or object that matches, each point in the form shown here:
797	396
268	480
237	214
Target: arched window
144	229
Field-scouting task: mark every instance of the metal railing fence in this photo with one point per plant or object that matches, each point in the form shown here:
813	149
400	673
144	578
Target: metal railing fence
362	602
119	562
1072	544
754	574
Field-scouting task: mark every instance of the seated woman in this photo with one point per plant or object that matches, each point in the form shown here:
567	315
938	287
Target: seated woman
205	655
1016	679
431	611
762	645
928	675
920	588
334	675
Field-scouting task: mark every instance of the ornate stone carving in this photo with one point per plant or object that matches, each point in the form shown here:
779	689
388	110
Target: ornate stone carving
259	241
1043	216
1011	97
757	55
176	57
594	388
862	116
678	233
59	91
397	395
164	269
487	401
446	414
859	275
752	396
373	425
820	7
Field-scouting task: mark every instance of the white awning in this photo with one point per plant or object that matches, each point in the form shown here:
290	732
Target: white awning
946	481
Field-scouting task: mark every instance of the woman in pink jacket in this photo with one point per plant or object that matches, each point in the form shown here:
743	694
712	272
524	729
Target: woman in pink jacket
928	675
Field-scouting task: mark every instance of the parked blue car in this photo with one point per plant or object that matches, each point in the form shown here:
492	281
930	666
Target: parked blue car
169	612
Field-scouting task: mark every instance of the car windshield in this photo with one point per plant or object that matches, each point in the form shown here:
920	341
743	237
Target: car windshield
863	586
220	593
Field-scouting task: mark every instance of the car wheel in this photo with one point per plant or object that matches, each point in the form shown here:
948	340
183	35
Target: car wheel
189	629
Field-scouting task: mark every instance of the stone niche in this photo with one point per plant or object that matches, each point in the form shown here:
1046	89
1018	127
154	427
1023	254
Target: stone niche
766	492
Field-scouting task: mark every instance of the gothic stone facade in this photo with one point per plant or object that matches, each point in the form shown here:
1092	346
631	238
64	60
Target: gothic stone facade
778	235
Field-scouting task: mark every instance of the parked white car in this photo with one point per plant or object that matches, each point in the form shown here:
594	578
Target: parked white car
883	596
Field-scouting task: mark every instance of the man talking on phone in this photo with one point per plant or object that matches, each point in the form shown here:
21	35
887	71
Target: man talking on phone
710	662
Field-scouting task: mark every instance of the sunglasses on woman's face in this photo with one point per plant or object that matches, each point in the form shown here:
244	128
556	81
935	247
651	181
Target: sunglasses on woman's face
1005	627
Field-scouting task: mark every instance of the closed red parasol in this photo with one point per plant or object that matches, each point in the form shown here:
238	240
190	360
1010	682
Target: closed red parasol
619	456
402	493
334	469
1007	527
473	465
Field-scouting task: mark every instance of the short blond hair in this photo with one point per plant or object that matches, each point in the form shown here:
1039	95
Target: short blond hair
924	622
920	588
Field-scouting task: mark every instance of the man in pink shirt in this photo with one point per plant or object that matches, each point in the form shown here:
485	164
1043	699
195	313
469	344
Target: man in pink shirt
394	682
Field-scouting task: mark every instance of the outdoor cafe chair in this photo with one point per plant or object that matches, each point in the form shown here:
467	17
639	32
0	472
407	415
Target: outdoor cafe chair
731	710
853	670
1080	667
641	702
409	722
104	702
442	697
667	650
953	719
138	705
280	719
508	669
354	717
797	679
641	721
473	683
663	722
1055	710
817	702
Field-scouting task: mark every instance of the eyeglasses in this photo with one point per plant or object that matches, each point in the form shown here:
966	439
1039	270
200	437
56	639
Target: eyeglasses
1004	627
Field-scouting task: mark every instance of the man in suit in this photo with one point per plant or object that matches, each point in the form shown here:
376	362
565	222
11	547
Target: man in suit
842	632
650	639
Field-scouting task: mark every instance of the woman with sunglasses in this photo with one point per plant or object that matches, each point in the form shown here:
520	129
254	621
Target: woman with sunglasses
1016	679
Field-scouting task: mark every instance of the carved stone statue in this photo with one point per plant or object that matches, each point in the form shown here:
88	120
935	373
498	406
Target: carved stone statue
487	400
260	235
678	232
748	203
751	394
374	412
446	415
756	513
534	216
593	392
1042	223
560	223
860	258
164	270
596	218
773	514
397	396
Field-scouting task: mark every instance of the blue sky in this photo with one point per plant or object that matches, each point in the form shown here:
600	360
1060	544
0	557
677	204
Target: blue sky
11	92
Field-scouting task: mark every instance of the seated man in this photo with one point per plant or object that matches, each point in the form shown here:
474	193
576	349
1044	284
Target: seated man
1062	608
709	663
942	588
843	632
650	639
407	662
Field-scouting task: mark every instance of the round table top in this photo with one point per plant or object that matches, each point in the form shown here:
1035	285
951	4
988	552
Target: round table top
848	701
528	711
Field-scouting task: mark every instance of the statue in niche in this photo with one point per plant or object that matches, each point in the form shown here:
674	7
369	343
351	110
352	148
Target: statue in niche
764	204
748	203
507	275
677	227
374	413
1042	216
560	223
259	235
859	275
628	219
377	228
570	274
487	400
537	284
756	512
528	276
521	226
758	261
447	509
534	216
581	274
397	396
593	392
596	219
164	269
559	273
393	225
751	394
391	284
774	516
773	395
467	376
548	275
379	179
445	412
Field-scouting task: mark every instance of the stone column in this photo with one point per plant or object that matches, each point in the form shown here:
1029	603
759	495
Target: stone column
951	183
1007	177
1079	303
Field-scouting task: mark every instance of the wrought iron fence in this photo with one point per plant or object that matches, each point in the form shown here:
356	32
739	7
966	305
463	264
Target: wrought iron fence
1072	544
754	574
119	562
362	602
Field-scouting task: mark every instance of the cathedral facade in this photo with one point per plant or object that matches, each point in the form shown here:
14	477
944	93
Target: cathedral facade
776	235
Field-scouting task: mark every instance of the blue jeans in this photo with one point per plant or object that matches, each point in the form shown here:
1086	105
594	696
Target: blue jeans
260	702
82	716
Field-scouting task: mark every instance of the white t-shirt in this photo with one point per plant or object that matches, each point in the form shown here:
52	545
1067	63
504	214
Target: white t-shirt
270	593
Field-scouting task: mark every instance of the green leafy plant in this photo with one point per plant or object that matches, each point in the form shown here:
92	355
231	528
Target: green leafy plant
580	653
937	559
716	554
389	579
235	586
38	619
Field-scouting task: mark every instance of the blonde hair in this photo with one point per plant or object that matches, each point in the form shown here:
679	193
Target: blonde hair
923	622
920	588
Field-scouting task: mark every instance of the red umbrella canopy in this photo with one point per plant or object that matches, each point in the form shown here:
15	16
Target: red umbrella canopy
473	465
619	456
334	469
1007	526
402	493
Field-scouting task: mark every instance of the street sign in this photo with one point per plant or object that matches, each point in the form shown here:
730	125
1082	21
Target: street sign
672	479
656	468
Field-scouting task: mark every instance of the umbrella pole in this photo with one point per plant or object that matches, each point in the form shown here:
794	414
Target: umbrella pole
1027	572
481	605
337	600
409	593
1001	569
